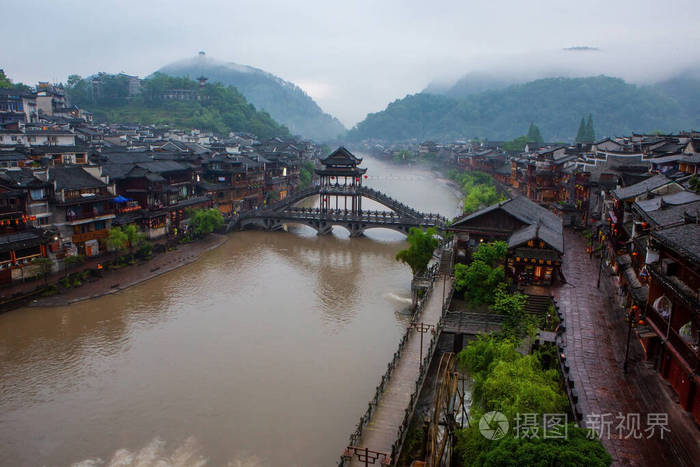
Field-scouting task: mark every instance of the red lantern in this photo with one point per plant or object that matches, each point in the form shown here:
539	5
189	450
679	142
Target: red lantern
357	179
332	177
366	176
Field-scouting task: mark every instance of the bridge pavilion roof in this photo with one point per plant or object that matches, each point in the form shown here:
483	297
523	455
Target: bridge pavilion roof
341	157
341	163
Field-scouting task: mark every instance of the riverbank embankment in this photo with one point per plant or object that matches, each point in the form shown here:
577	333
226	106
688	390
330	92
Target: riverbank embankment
115	280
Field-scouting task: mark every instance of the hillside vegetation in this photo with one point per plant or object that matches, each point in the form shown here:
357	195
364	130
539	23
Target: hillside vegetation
216	107
286	102
554	104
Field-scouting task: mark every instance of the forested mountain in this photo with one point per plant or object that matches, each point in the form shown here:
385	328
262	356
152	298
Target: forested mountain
554	104
284	101
469	84
210	107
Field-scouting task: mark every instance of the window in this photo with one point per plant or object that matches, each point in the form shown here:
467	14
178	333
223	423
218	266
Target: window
36	193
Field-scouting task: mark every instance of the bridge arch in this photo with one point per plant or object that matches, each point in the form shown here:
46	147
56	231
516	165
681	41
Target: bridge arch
349	214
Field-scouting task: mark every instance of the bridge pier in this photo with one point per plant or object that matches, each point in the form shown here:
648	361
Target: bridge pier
273	225
323	228
357	230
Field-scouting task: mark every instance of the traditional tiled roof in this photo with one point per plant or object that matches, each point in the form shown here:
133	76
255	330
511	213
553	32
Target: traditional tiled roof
25	239
684	239
537	232
23	177
73	178
666	203
125	157
341	156
642	187
527	212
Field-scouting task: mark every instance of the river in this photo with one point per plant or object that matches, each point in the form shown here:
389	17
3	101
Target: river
264	352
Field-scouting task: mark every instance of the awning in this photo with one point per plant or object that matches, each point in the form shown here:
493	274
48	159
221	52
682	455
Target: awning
120	199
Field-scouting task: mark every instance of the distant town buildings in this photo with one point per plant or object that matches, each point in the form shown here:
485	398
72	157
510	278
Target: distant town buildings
64	181
637	197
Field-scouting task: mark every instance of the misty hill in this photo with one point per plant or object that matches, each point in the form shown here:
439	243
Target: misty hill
556	105
284	101
166	100
469	84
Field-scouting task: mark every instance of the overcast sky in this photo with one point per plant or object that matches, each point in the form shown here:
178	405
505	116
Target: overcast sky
352	56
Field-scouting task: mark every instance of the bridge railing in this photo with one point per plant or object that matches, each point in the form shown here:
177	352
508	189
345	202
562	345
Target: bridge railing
347	216
401	213
389	201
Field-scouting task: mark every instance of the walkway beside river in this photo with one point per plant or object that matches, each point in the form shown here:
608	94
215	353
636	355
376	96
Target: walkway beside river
382	430
120	279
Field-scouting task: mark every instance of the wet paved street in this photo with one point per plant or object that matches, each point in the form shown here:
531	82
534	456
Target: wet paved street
596	337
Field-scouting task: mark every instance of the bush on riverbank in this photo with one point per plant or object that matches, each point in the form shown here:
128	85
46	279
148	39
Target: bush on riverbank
478	189
204	221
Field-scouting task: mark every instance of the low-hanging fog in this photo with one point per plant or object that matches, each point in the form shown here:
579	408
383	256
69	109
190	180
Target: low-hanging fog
355	57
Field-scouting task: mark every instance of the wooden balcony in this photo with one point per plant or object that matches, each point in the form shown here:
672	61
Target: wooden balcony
84	237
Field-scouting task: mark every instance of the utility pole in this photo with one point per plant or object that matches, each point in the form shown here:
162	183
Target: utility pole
629	335
631	316
421	328
602	254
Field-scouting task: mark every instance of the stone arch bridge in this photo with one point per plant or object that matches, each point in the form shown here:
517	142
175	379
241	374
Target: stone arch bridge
398	216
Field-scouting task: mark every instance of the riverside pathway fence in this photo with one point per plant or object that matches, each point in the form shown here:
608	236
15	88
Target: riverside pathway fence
371	406
424	367
402	430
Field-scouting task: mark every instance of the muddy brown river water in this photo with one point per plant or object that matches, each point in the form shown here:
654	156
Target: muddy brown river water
264	352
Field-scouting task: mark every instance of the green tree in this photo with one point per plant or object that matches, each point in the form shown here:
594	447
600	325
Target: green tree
117	240
4	81
73	80
205	221
422	244
491	253
44	266
478	189
134	238
517	145
534	135
511	383
590	132
306	174
478	357
478	281
694	183
578	448
512	307
581	134
72	261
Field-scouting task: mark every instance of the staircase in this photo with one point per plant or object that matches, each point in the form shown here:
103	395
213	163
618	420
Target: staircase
538	304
